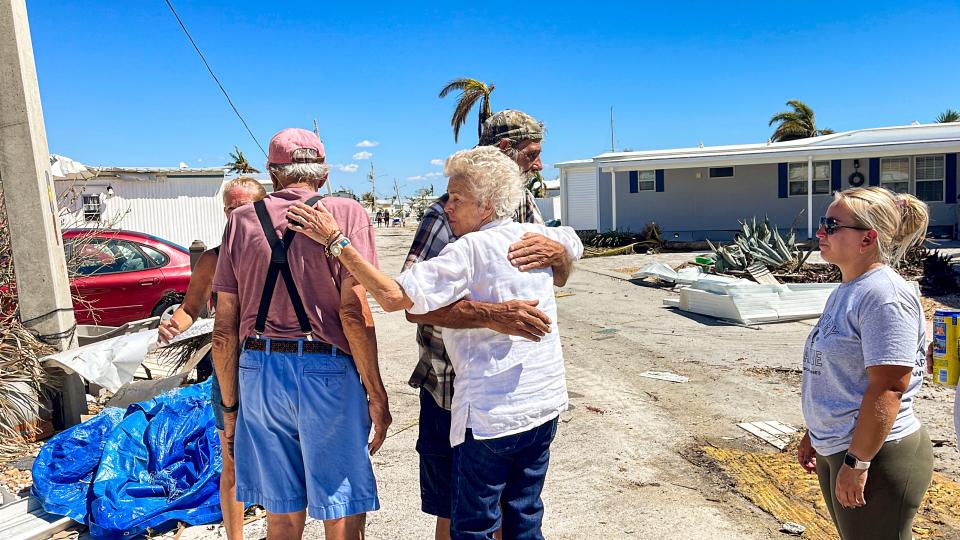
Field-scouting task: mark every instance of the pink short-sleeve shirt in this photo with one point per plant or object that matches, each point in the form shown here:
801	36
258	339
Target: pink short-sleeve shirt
245	257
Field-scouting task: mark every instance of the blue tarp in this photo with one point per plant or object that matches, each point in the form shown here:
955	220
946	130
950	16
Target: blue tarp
122	472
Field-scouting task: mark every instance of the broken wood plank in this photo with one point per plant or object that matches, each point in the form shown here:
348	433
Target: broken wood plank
665	376
776	442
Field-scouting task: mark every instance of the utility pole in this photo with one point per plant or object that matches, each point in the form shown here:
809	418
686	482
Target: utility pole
316	130
42	285
372	177
613	144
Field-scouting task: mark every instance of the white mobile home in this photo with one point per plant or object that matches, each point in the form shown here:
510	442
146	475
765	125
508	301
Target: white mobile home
177	204
697	193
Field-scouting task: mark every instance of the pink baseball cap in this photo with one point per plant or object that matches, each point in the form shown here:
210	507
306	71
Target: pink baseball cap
284	143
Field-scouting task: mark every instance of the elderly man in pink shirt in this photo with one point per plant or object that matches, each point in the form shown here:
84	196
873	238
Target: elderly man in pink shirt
297	360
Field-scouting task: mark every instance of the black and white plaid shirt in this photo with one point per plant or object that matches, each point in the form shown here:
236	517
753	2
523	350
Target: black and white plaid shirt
434	370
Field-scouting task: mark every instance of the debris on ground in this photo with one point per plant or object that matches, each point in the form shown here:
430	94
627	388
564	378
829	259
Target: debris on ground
749	303
791	528
593	409
777	484
605	333
96	473
664	376
777	434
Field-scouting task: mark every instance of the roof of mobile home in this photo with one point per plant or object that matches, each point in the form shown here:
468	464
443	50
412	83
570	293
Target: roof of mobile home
861	143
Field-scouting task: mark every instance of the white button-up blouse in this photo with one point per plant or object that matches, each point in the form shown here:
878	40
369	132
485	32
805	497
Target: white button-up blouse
504	384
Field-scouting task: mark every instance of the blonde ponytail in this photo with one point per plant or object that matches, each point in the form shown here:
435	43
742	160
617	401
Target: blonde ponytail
900	219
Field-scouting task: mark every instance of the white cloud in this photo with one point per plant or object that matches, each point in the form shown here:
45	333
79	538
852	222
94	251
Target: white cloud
433	174
367	144
351	168
199	160
437	162
418	177
362	155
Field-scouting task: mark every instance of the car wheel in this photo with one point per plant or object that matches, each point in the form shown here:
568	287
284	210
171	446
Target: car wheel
167	307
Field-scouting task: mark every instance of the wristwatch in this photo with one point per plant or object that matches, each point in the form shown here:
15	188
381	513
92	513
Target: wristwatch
854	463
336	248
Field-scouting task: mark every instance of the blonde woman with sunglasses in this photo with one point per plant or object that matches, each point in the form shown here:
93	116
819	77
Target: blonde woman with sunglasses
863	364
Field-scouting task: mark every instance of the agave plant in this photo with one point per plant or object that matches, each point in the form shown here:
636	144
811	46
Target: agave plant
758	242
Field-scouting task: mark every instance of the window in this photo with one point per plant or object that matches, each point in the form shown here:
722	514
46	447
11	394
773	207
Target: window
895	174
159	258
91	207
797	175
721	172
642	181
929	175
95	257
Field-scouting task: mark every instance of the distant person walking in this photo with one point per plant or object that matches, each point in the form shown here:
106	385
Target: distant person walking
863	364
379	218
386	217
238	192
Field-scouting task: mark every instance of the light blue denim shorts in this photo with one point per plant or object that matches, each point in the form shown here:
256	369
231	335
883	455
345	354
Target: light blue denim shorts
302	432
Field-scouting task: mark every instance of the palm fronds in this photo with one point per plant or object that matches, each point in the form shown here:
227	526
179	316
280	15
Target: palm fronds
798	123
471	91
948	115
238	163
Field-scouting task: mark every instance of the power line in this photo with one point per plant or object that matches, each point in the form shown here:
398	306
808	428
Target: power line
212	74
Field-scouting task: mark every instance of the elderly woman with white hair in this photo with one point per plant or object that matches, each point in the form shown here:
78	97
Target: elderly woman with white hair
509	391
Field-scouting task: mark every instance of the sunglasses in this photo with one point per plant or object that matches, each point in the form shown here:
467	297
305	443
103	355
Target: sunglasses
831	226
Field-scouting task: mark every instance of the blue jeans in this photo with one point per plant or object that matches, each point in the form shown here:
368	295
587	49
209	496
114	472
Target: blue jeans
506	472
436	457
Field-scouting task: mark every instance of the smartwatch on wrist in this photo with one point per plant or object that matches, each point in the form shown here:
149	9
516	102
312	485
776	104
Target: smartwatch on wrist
336	247
854	462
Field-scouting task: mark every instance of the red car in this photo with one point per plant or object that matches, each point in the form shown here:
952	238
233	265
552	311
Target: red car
123	276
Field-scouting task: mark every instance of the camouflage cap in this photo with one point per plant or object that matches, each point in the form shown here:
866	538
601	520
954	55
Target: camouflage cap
510	124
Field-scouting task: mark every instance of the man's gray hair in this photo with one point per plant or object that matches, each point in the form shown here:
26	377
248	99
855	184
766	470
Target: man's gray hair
306	167
492	176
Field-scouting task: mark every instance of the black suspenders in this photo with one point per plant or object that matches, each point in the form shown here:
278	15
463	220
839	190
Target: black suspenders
279	266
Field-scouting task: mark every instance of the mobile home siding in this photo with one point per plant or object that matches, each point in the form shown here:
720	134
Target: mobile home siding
580	198
178	209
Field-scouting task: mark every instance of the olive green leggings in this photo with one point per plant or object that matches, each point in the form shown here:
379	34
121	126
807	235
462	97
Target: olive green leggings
899	475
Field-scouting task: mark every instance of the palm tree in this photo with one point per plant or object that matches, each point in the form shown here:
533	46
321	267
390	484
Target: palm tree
238	163
948	115
471	90
796	124
370	199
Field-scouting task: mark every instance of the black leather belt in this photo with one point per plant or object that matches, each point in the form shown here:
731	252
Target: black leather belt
291	346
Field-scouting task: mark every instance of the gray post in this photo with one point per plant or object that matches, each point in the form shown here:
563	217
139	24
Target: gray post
42	286
196	250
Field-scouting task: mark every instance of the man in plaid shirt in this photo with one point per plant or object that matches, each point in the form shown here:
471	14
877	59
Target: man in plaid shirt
519	136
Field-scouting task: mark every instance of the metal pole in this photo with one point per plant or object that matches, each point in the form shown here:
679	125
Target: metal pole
42	285
196	250
809	197
613	198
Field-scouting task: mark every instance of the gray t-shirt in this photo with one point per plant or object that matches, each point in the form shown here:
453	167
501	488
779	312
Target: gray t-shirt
873	320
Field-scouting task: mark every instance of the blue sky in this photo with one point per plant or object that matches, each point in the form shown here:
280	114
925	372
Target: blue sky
121	84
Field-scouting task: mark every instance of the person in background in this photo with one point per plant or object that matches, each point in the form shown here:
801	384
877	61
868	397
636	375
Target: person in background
519	136
238	192
508	392
863	364
297	362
